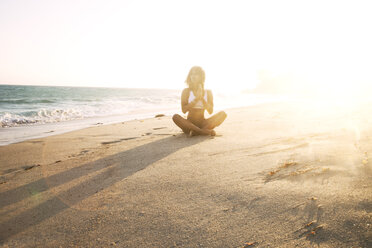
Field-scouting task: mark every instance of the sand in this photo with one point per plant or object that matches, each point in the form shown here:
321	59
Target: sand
276	175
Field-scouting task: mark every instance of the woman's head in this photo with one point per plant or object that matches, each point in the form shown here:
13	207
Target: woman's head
196	77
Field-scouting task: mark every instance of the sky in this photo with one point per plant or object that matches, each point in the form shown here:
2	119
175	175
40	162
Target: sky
153	44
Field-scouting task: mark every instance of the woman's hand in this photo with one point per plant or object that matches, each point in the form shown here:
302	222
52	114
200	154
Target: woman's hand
199	93
208	105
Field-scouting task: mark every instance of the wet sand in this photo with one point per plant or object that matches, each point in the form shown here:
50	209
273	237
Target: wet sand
276	175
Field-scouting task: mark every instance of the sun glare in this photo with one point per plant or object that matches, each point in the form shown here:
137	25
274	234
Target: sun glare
301	46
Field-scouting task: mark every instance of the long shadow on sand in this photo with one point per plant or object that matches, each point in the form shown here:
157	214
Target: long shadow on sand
118	167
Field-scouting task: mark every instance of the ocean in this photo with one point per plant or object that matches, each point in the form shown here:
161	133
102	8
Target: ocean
28	112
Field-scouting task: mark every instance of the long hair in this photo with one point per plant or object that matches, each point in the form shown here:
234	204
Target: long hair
199	70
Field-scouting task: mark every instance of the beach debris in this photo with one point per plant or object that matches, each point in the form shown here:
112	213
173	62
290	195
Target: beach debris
300	172
117	141
110	142
29	167
289	163
315	230
313	198
283	166
157	128
83	151
13	170
58	161
130	138
159	115
310	223
311	229
272	172
365	161
250	244
311	233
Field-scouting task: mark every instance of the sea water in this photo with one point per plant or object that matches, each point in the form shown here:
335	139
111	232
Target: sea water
28	112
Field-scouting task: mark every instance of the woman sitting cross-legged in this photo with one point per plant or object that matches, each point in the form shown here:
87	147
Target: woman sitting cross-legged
195	100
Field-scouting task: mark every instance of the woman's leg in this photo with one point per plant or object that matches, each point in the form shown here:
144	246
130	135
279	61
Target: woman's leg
214	120
188	126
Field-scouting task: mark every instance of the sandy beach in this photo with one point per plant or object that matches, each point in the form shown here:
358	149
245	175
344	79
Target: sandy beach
276	175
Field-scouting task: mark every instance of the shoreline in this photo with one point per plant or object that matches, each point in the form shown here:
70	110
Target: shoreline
17	134
278	175
11	132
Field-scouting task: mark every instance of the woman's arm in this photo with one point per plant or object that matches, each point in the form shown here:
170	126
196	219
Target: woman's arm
185	105
208	105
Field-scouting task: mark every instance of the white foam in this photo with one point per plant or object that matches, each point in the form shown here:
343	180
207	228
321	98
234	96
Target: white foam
15	134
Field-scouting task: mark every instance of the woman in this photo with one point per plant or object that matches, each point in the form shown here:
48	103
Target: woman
195	100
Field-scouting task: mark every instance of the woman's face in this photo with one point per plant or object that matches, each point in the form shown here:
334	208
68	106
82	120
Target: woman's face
195	78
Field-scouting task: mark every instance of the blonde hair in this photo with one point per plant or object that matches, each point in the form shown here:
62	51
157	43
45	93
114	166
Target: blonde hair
199	70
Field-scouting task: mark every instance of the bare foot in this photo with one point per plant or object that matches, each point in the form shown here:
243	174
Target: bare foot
210	132
192	133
